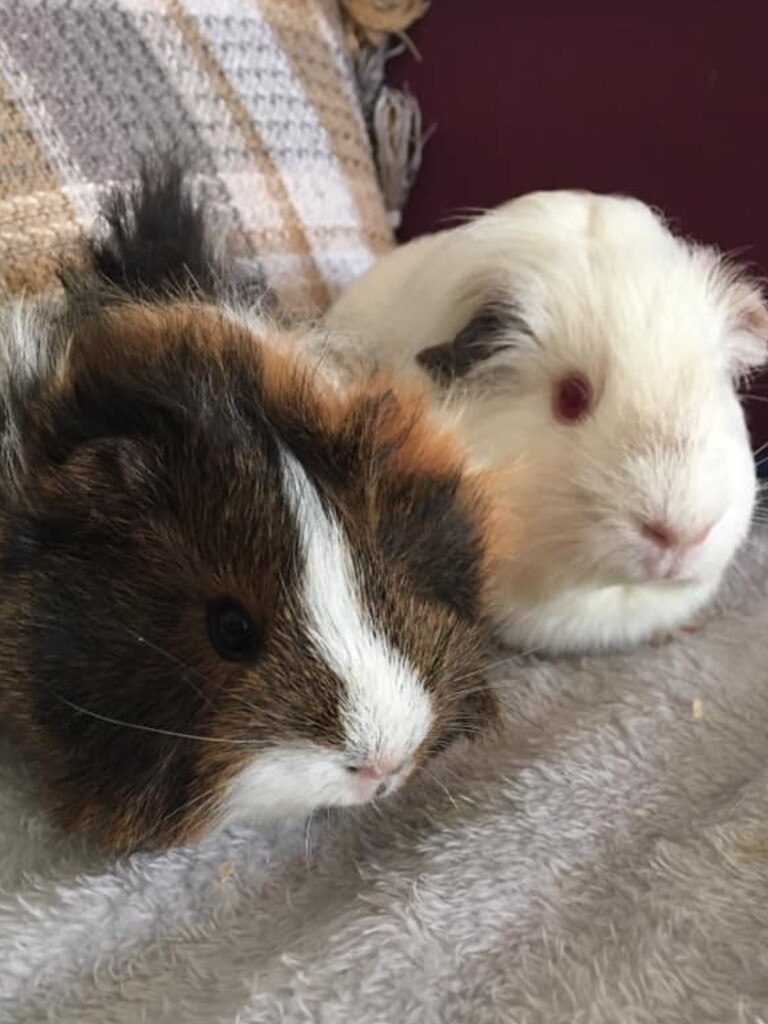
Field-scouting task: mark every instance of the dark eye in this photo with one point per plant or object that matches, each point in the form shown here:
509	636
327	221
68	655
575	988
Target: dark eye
234	634
572	398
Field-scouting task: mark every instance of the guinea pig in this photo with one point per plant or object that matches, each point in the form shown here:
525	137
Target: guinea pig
228	591
575	333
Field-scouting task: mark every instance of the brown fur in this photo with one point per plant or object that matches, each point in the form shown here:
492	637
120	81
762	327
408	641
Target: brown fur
150	488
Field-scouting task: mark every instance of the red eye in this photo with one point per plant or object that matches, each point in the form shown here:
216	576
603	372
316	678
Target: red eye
572	398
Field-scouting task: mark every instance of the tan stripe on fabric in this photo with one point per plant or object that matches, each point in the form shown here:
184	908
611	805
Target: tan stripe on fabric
306	50
315	288
37	223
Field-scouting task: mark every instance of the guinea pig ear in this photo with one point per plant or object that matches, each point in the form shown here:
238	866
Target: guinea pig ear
748	334
121	465
100	483
494	329
100	436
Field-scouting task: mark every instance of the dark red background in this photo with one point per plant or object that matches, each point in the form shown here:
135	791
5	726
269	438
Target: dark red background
665	99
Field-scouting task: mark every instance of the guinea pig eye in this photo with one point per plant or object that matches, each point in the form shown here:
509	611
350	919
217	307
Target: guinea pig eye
233	633
572	398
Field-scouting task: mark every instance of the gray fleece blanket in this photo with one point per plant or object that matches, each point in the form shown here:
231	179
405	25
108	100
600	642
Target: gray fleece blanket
604	862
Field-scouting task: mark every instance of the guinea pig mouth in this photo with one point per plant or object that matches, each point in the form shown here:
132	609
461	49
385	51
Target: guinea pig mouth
666	569
670	573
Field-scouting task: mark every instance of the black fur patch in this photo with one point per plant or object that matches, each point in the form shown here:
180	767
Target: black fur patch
157	244
430	533
491	329
27	535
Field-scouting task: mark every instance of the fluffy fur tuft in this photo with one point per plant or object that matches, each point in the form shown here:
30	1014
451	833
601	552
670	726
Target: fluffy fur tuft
156	243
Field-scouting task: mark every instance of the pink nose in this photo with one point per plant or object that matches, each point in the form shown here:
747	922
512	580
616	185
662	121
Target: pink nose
665	536
375	772
379	773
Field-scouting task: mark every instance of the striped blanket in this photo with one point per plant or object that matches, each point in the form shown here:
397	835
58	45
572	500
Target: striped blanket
258	94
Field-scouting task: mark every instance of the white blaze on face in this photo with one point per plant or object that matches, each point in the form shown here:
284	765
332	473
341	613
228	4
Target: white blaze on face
386	712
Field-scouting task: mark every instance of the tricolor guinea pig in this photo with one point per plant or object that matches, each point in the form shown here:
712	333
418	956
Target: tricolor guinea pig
228	591
576	334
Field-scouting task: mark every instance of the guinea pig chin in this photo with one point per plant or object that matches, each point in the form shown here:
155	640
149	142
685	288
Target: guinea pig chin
301	778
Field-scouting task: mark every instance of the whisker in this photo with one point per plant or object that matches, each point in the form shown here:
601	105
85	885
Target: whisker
151	728
173	659
514	658
200	803
308	839
374	804
441	784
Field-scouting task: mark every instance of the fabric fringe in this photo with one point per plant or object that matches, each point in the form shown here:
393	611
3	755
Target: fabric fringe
399	143
392	116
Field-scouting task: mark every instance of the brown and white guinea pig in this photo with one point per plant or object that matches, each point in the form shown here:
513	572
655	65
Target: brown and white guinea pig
227	591
575	333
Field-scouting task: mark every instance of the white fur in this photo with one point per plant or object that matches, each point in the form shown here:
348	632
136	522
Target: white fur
385	710
289	781
660	328
34	349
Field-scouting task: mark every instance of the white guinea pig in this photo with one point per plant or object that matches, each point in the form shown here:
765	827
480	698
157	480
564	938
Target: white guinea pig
580	338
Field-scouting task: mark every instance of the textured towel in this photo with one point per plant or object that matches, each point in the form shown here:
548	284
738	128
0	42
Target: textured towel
257	93
605	862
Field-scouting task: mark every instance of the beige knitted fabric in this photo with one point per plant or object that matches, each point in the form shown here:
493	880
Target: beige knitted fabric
257	94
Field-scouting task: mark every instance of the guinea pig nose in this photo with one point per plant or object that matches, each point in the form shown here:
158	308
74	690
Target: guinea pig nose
378	771
665	536
660	534
364	771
